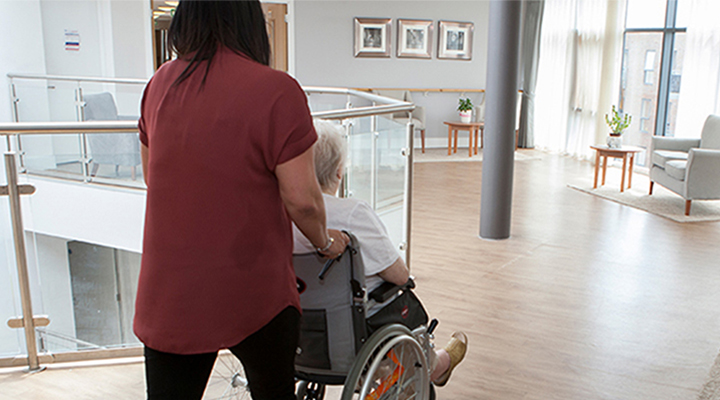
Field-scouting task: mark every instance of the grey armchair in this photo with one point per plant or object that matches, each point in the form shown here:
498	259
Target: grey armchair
688	167
418	115
118	149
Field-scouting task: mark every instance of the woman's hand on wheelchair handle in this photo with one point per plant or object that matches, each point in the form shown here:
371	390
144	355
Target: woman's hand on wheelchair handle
340	242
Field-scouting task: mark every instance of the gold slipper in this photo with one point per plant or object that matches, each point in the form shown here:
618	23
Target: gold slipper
456	348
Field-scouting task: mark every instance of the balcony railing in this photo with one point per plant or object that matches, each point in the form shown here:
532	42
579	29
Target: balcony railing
380	173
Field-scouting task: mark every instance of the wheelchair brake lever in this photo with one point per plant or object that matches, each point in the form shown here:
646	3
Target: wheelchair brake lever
432	326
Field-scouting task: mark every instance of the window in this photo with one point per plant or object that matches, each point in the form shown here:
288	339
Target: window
651	77
645	114
649	74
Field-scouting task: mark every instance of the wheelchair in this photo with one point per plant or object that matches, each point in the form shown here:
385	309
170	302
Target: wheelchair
337	346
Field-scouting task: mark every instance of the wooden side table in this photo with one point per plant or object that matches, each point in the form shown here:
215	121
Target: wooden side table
624	152
471	127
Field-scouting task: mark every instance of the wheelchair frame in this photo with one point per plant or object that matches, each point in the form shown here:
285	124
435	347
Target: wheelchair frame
392	363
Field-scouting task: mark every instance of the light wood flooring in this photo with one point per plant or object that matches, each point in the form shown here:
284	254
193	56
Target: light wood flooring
587	300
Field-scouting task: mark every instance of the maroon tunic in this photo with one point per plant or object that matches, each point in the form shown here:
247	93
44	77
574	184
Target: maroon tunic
217	251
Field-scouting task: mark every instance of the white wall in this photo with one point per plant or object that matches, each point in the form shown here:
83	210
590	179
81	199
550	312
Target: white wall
115	42
323	43
106	216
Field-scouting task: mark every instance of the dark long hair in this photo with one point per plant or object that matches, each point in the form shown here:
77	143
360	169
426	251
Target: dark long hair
200	27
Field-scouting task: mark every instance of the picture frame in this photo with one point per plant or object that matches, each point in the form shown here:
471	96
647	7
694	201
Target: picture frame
414	38
455	40
372	37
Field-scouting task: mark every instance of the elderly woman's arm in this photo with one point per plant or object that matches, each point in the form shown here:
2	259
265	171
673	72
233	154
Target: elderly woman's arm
303	200
396	273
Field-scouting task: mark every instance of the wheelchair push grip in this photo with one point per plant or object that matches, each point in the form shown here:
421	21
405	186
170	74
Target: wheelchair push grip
326	268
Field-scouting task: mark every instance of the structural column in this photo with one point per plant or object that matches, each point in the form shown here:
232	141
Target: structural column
500	110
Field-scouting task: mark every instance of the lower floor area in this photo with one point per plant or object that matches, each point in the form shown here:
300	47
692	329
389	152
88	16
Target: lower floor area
587	299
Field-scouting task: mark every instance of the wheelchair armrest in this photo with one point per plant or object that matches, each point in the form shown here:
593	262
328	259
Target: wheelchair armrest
385	291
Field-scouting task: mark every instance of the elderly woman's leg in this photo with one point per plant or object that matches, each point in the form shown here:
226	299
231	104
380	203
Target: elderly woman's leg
448	358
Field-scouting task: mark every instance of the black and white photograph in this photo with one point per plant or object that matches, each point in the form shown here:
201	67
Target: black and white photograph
372	37
414	38
455	40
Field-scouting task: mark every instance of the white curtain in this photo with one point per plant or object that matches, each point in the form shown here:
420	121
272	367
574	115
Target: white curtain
700	87
571	77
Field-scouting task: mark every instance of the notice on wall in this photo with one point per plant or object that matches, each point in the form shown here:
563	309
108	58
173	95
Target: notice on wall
72	40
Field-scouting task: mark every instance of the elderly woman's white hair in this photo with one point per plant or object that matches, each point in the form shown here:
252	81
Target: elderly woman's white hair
330	152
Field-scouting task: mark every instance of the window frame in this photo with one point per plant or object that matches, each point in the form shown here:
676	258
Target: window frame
666	62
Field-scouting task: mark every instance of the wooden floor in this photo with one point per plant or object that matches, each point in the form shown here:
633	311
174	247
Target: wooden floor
587	300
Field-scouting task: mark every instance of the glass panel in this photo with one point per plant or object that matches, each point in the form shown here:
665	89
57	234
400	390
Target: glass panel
326	102
54	155
390	163
391	177
646	14
90	301
12	341
33	99
638	94
675	82
683	9
115	156
392	217
360	160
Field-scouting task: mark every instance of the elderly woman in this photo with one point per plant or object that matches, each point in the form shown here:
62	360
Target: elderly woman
380	258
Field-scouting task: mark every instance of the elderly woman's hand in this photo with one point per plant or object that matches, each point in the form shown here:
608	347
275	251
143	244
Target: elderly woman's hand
340	242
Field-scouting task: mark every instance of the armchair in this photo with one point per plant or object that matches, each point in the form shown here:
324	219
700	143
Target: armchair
418	115
121	149
688	167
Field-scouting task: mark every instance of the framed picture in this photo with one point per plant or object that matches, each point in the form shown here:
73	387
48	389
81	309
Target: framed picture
455	40
372	37
414	38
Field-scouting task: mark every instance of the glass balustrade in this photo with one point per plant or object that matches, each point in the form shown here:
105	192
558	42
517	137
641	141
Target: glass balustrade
83	240
104	158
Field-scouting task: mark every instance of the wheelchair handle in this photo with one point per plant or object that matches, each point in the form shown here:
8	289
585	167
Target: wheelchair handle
329	263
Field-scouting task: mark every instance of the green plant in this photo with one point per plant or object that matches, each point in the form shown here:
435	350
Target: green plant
618	123
465	105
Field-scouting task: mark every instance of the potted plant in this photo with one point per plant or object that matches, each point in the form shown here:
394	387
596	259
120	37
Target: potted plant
465	107
617	123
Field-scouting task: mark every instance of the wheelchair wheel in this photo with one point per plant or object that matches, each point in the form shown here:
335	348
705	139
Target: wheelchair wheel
227	380
390	366
310	391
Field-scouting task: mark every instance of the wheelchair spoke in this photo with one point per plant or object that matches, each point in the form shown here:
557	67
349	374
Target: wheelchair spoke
227	380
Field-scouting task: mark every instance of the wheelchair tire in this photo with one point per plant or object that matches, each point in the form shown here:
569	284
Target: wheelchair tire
389	366
227	380
310	391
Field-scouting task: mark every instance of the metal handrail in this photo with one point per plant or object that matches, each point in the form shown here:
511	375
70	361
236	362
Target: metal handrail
50	128
387	105
77	78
